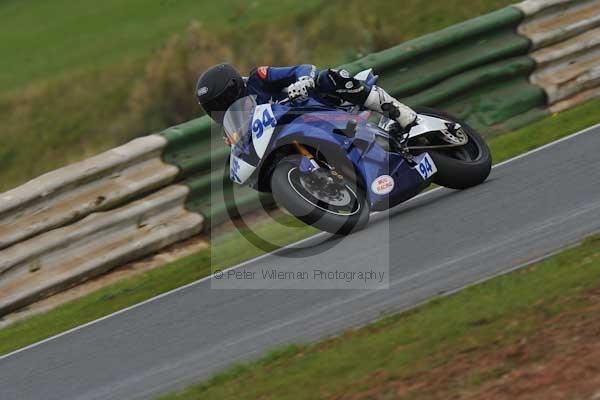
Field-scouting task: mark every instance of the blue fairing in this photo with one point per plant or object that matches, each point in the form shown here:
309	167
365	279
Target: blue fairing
318	125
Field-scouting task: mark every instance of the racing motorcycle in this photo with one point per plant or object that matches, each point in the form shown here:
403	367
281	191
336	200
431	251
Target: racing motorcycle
330	166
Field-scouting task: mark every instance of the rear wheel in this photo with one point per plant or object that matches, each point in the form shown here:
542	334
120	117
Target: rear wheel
463	166
326	201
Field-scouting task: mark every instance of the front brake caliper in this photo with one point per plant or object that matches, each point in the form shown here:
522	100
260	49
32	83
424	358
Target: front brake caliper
308	165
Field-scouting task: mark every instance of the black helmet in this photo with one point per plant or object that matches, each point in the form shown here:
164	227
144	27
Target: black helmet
218	88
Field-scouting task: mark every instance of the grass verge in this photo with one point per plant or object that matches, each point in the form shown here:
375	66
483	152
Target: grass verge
545	131
391	357
233	249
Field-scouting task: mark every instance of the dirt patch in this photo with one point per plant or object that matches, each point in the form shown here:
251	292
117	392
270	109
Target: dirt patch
560	361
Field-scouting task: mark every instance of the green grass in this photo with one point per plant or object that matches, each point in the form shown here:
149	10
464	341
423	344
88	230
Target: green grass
478	318
64	36
230	250
69	69
544	131
51	39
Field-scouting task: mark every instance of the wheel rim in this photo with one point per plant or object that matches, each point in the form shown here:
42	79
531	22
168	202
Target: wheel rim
343	202
469	152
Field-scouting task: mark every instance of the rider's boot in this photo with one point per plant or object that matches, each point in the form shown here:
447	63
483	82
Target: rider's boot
380	101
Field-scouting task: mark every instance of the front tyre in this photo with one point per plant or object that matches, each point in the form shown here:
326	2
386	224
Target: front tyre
326	203
464	166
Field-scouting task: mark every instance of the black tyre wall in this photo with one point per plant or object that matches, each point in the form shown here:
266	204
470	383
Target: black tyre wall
454	173
289	199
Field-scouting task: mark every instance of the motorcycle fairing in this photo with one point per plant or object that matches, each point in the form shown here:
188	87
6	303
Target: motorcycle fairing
369	159
318	125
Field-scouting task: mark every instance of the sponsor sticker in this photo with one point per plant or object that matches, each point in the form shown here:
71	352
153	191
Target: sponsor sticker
383	184
203	90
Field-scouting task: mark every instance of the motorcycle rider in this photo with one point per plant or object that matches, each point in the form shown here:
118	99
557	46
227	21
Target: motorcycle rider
221	85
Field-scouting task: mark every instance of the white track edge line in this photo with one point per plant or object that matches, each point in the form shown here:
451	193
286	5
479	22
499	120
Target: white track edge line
180	288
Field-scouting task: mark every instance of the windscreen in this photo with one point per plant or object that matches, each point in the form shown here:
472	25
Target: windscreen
237	120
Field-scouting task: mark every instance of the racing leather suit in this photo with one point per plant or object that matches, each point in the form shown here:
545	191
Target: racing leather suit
271	84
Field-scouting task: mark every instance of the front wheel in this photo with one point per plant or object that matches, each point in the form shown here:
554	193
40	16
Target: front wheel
464	166
320	198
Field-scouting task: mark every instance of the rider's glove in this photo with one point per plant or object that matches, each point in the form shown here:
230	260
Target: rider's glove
299	89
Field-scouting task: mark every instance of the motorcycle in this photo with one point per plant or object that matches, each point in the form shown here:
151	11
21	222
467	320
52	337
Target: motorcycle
330	166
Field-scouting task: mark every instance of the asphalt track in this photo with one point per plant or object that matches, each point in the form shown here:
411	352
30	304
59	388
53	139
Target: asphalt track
530	207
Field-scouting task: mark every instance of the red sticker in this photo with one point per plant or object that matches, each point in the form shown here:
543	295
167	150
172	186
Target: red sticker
262	72
383	184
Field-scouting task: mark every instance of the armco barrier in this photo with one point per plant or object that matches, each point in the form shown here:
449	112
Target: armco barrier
565	37
101	241
70	193
499	70
464	69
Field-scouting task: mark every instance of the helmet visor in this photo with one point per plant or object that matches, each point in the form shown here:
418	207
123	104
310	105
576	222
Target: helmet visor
221	102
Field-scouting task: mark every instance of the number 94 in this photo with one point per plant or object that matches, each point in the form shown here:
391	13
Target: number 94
259	125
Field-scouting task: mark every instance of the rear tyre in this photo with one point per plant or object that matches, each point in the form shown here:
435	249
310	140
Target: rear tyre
460	167
340	209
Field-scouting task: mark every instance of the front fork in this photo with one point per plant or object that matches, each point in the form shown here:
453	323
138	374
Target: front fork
308	165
